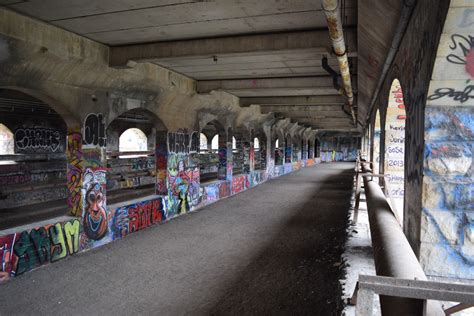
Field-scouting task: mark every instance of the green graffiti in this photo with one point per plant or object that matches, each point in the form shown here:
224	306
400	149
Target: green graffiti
71	230
42	244
26	253
57	238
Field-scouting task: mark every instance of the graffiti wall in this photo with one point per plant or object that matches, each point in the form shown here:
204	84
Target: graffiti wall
183	177
74	173
99	224
447	226
27	250
131	218
338	149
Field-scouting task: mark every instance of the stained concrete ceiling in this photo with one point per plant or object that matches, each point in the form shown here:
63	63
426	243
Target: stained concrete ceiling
267	52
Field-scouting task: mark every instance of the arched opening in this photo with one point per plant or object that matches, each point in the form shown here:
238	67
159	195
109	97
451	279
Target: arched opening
241	151
209	160
133	139
33	164
394	155
376	146
6	141
215	142
279	149
260	152
256	143
234	143
203	146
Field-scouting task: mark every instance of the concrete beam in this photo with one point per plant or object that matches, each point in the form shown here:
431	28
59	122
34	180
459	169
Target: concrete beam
326	116
120	55
283	92
319	109
298	100
287	82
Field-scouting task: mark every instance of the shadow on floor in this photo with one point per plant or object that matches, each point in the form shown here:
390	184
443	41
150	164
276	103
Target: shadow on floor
298	272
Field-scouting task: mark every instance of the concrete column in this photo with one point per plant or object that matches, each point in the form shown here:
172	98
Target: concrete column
288	150
263	152
225	168
74	172
447	216
94	177
249	156
161	158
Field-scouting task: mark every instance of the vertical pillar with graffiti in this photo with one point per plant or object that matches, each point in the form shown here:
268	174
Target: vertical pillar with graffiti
288	150
230	158
183	172
248	165
225	168
74	172
93	191
161	158
447	216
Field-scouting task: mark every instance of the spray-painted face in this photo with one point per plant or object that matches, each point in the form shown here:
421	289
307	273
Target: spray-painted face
95	217
95	199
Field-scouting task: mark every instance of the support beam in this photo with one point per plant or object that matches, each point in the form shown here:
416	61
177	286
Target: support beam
120	55
207	86
299	100
284	92
301	108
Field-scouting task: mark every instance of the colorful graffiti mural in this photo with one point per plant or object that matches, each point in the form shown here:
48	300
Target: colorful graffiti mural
27	250
135	217
74	173
94	217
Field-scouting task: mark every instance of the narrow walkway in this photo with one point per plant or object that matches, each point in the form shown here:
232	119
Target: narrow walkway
275	249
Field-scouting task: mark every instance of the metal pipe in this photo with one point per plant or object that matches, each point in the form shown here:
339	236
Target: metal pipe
331	9
393	255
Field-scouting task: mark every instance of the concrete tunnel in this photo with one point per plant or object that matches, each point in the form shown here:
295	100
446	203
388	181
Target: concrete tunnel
239	156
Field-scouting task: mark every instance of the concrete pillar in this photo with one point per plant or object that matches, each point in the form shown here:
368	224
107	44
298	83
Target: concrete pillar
74	172
161	158
94	176
225	168
288	150
447	216
247	165
263	152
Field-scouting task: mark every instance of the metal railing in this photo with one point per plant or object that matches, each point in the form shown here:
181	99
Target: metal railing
401	283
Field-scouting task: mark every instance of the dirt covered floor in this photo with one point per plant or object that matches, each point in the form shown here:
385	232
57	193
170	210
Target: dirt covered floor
274	249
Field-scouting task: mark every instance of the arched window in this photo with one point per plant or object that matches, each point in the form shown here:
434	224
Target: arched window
6	141
377	132
215	142
256	143
234	143
202	142
133	139
394	162
276	143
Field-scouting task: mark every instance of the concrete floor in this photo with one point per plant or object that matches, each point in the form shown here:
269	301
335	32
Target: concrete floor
275	249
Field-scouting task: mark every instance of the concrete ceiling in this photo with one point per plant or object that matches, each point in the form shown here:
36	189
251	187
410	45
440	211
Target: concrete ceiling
266	52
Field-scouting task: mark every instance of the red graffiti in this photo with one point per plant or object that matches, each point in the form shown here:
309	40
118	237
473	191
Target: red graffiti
143	215
238	184
470	62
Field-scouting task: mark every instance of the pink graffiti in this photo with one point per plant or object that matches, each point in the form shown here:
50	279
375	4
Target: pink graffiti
470	62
